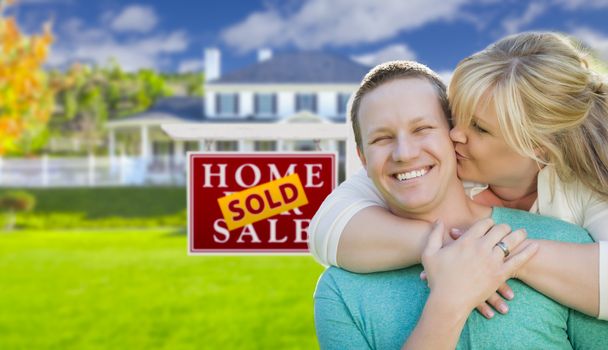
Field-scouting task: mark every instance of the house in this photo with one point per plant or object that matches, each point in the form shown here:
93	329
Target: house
289	90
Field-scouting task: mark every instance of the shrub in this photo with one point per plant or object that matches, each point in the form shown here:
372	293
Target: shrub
12	202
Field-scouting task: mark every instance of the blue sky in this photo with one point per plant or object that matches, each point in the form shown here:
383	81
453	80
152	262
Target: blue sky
171	35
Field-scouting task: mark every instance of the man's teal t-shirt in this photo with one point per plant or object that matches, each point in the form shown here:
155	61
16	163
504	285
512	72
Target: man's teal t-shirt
380	310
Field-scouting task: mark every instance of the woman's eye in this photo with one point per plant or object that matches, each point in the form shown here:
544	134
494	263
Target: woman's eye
478	128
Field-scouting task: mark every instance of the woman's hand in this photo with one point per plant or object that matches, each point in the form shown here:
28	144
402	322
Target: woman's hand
469	270
496	301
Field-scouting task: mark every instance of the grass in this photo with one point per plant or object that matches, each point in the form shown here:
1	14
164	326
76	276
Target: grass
138	290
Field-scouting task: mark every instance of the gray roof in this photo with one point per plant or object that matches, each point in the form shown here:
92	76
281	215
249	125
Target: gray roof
167	110
184	107
299	67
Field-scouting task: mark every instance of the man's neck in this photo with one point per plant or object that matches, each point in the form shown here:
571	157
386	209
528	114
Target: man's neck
456	210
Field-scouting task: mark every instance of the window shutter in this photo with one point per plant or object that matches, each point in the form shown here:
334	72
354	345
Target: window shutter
297	102
218	109
274	104
256	103
236	104
314	103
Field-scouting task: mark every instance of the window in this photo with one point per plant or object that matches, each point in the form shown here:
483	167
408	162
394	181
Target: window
227	104
226	145
265	104
306	102
265	145
342	103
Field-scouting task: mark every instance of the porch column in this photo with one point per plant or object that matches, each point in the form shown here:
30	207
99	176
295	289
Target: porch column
112	149
178	150
145	143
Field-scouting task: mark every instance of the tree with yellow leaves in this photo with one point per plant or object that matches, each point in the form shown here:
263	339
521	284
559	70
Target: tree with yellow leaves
26	100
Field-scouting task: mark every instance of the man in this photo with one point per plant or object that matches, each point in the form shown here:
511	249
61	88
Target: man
400	119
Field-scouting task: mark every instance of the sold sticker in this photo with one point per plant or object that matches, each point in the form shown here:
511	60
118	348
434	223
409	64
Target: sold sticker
263	201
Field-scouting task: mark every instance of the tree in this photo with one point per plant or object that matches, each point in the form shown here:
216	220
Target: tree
26	100
87	97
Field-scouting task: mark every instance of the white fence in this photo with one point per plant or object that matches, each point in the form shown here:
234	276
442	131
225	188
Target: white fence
91	171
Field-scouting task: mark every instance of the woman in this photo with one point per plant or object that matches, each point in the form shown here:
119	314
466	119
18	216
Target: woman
531	121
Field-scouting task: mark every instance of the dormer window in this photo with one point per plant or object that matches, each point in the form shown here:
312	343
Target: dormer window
227	104
306	102
265	104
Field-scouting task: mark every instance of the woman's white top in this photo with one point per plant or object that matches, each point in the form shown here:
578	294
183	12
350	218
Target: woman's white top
572	202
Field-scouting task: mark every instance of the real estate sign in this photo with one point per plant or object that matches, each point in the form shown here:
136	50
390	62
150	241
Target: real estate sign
255	202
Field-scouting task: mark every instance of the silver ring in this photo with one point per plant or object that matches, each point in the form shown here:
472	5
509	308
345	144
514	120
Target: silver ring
503	246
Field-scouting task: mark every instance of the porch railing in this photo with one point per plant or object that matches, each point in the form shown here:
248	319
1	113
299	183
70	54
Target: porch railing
123	170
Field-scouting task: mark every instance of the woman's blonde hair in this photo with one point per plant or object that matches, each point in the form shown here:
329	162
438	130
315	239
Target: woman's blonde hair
551	107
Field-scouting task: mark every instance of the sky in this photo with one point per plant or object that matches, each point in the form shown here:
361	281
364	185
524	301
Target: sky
170	36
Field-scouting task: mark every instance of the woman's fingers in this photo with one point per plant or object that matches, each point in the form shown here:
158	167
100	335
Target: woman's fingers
497	303
505	291
435	239
485	310
510	242
455	233
517	260
496	234
479	229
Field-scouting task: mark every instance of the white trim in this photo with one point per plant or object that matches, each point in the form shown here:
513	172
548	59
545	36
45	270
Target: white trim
247	131
276	88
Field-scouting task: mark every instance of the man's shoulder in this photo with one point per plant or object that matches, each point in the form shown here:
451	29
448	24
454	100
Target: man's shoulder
336	281
541	227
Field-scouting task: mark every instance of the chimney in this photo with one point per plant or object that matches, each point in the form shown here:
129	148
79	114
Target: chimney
213	67
264	54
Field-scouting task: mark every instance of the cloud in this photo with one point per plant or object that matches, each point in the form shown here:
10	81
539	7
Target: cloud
389	53
193	65
79	42
515	24
597	41
319	23
578	4
135	18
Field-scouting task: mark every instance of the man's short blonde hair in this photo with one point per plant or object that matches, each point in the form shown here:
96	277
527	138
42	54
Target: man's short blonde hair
390	71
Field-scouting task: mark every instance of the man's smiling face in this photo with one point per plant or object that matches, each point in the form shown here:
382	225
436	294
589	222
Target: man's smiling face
407	150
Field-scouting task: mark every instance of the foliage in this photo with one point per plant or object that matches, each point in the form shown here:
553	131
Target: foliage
139	290
191	83
17	201
87	97
12	202
105	208
26	100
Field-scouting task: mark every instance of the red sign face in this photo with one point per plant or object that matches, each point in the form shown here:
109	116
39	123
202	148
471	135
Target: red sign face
255	202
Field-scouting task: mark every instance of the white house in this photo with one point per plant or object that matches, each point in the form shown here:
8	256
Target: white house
285	102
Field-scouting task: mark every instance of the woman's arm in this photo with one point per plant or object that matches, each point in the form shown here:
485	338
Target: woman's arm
567	273
354	230
376	240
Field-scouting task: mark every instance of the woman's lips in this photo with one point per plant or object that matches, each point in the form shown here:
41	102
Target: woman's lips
459	155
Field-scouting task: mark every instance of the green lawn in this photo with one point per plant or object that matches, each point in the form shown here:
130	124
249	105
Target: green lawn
139	290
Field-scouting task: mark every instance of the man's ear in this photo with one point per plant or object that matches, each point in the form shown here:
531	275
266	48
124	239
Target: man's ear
361	157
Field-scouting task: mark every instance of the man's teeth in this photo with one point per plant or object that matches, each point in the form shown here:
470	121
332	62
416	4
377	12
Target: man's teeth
411	174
